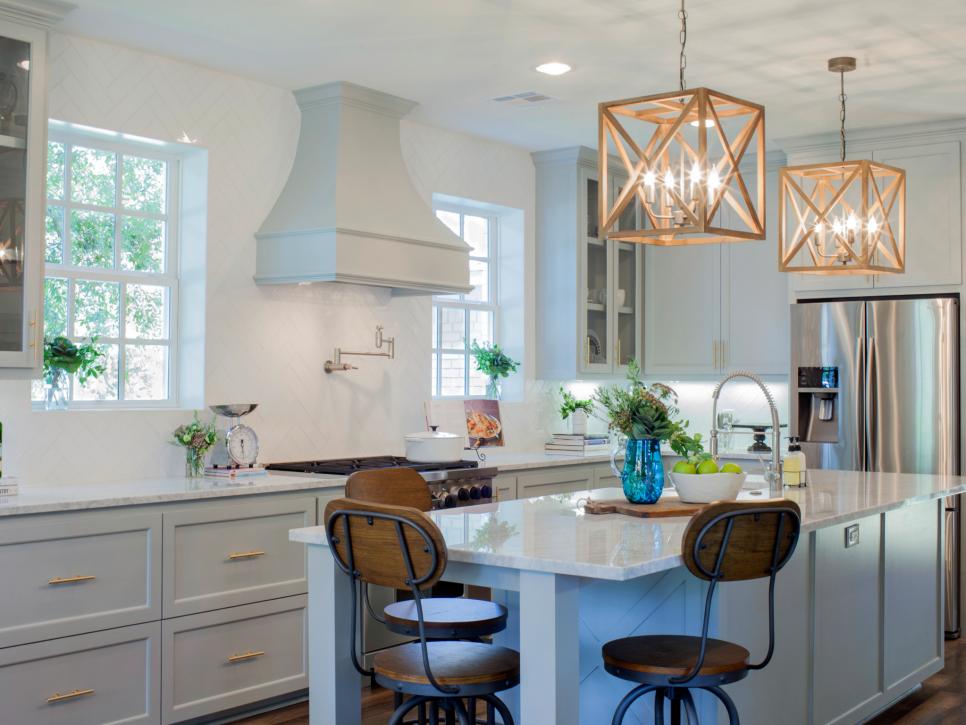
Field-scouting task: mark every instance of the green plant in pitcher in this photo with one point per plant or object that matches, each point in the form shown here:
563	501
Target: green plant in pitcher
571	404
60	353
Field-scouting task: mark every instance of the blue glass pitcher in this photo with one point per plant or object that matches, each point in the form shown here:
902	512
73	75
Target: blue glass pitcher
643	475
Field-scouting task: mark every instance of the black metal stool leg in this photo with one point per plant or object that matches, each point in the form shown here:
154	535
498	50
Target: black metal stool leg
490	714
689	708
659	706
675	699
727	702
460	710
434	713
628	700
401	711
495	703
471	708
451	715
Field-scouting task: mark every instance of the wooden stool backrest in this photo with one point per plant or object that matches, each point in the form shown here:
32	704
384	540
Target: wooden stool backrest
738	540
391	546
392	486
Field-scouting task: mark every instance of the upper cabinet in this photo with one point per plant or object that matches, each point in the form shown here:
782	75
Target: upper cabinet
716	307
589	292
934	216
23	144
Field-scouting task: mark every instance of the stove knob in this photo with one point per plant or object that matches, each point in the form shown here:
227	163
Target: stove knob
449	501
486	491
475	493
464	494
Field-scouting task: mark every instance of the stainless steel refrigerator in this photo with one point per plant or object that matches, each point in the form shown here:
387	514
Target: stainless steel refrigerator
874	386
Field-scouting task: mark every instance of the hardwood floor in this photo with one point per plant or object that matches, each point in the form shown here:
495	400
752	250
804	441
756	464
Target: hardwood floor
941	701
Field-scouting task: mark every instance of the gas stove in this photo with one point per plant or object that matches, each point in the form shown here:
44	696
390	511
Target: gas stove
453	483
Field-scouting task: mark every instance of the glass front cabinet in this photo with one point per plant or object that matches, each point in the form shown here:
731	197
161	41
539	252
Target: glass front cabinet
578	268
23	143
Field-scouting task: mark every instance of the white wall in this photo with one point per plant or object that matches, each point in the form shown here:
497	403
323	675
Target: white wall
267	344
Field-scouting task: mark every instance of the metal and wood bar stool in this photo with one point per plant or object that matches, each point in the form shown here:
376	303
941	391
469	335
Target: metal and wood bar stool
401	547
726	541
445	617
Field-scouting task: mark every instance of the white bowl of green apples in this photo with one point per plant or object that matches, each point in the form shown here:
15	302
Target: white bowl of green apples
704	482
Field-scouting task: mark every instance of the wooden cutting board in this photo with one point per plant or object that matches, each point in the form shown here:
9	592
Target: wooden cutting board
663	508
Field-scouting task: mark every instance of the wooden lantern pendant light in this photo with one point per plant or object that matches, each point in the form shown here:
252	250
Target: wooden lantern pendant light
844	217
679	158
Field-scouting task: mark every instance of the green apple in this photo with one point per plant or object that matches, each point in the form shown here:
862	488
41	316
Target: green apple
731	468
685	467
708	466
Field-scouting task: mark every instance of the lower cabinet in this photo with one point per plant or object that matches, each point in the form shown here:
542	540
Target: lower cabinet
89	679
231	657
505	487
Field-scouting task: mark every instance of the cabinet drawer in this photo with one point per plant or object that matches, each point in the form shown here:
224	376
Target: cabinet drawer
90	679
562	479
226	554
232	657
73	573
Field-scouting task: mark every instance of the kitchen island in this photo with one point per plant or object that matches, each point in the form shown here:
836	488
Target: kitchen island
859	623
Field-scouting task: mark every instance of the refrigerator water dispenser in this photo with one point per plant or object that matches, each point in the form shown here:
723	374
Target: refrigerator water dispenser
817	404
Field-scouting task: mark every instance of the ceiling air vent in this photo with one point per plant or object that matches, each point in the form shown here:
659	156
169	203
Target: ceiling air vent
523	99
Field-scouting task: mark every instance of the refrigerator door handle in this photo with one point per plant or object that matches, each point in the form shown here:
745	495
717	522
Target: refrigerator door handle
860	405
871	383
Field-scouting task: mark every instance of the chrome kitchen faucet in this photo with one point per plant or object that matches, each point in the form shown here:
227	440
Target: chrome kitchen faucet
774	474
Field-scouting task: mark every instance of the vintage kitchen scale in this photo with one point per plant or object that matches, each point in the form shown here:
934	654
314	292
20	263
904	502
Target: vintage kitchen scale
237	446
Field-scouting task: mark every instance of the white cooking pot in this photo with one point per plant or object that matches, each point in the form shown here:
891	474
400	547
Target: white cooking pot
434	447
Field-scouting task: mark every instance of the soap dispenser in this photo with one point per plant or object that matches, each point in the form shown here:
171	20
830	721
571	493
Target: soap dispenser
793	465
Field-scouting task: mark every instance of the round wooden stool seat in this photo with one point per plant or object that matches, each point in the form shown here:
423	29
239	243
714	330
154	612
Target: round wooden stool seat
447	618
452	663
665	656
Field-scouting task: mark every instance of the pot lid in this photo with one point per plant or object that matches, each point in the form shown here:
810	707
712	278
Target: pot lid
430	435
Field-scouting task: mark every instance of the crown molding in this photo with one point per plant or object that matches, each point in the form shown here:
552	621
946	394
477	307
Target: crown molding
39	13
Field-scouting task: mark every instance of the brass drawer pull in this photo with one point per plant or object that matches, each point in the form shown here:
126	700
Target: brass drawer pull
57	697
246	656
72	579
235	555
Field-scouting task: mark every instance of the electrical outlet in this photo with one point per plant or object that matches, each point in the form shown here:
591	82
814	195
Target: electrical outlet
851	535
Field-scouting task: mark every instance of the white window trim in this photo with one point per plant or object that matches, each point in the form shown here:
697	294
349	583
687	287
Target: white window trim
493	241
142	148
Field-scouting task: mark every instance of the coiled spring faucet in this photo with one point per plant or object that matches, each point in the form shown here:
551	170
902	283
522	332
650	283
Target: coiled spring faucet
773	475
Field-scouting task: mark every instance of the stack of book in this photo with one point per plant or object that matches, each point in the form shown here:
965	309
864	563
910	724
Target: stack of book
567	444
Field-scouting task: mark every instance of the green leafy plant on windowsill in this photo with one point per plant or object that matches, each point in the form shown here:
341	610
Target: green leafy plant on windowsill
495	364
84	360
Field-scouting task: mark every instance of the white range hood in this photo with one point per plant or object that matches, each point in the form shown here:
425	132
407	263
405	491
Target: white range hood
349	212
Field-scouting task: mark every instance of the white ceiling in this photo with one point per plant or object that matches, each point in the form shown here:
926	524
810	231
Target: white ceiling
455	56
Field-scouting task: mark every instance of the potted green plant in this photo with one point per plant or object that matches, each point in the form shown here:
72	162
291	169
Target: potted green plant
63	358
495	364
196	438
646	415
577	410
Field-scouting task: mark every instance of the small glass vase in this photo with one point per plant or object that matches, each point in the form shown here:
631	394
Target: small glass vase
194	463
642	477
56	384
494	388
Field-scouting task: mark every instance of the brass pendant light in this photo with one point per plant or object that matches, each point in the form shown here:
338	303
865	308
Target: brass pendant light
679	157
843	217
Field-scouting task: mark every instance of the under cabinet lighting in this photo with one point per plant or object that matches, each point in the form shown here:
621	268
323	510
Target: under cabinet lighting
554	68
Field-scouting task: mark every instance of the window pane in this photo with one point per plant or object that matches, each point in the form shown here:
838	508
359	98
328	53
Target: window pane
54	234
480	279
453	375
481	326
145	312
92	239
435	342
92	176
478	381
55	170
452	321
477	235
104	387
450	219
96	308
142	244
142	184
432	390
55	306
146	377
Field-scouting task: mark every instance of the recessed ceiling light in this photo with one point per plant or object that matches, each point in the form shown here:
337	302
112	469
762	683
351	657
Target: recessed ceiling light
554	68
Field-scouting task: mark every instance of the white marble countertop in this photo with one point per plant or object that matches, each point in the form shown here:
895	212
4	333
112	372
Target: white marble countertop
34	499
552	533
507	461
